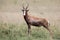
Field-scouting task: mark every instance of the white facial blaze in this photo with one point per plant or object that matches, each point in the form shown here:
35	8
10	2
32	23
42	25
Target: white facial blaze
24	13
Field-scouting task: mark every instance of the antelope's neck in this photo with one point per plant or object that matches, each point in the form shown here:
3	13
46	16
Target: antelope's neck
26	16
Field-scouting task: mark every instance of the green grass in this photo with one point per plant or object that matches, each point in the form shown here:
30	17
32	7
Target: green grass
19	32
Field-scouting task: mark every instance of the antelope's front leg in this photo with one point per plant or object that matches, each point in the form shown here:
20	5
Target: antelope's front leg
29	29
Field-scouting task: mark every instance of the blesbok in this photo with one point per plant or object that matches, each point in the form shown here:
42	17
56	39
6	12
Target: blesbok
34	21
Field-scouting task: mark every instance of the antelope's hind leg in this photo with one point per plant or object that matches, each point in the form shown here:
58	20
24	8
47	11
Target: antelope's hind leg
49	31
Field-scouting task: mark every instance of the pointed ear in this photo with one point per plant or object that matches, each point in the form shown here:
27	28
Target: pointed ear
22	10
28	10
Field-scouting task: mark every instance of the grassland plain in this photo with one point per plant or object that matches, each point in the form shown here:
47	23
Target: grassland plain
10	13
19	32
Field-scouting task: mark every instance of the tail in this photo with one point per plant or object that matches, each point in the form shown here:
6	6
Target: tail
48	23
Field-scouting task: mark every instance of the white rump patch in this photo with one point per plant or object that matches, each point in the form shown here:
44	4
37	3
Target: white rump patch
48	23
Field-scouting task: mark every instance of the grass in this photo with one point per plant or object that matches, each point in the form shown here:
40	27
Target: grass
19	32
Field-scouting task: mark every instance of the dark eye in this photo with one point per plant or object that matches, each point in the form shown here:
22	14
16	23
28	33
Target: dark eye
22	10
27	10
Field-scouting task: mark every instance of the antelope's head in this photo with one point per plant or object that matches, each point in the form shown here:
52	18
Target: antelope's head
25	10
